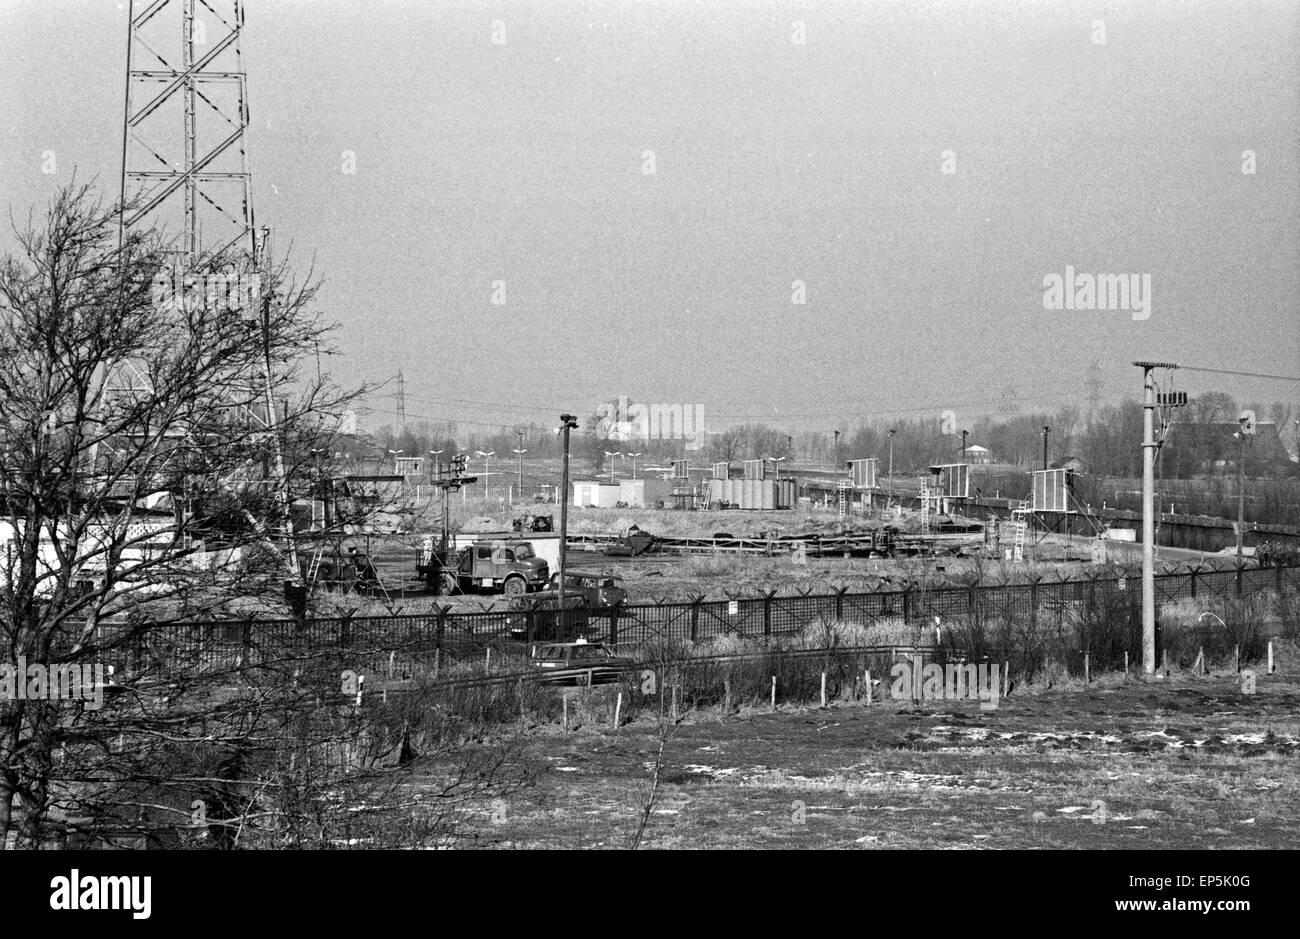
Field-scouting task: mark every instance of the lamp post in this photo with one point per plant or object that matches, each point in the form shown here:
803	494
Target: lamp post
567	423
634	456
1045	430
776	463
610	456
520	453
487	462
963	446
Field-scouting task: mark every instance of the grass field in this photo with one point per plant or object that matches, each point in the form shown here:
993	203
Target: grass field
1184	763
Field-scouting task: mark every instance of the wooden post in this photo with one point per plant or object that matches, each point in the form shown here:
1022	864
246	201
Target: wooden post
1164	661
1087	669
618	708
487	662
1126	664
391	657
1006	679
566	712
675	704
1236	657
1270	656
773	694
866	678
823	689
437	658
726	696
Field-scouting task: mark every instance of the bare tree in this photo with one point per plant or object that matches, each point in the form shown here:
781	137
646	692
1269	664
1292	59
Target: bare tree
156	436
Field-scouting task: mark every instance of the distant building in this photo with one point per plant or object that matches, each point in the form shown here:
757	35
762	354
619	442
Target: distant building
1072	463
977	454
595	495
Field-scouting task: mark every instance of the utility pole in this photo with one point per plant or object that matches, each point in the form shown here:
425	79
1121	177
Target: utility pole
1045	430
567	423
1149	446
521	451
264	263
963	445
1241	490
1247	429
835	458
890	501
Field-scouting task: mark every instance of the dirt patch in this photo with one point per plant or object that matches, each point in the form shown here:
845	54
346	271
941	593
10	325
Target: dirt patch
1140	765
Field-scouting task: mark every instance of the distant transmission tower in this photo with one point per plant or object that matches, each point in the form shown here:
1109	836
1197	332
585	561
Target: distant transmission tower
1094	387
184	124
185	162
401	403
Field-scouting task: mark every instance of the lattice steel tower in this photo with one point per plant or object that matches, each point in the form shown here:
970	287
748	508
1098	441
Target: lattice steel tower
185	123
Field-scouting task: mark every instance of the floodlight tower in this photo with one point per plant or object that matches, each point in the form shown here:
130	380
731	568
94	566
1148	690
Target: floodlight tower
184	71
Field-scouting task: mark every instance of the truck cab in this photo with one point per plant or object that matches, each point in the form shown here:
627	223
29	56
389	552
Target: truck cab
509	567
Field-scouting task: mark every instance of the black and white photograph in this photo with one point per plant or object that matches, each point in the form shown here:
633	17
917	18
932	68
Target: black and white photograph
650	425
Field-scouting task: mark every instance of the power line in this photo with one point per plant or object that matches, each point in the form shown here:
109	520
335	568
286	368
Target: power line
1228	371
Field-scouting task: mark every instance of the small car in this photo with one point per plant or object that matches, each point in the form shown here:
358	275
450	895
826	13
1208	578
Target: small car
601	590
536	616
578	662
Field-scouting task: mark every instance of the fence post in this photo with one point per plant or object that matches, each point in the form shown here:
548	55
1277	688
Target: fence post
613	622
695	618
970	601
345	628
246	639
907	604
440	628
1033	602
1240	569
839	603
1195	570
767	613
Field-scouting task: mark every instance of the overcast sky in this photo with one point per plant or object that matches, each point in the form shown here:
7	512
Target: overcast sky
774	161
